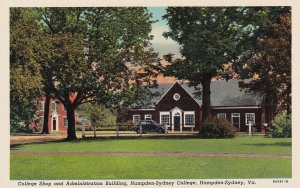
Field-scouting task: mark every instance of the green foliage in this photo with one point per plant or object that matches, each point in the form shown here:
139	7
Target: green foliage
208	37
267	57
98	115
126	126
25	78
217	128
281	126
96	53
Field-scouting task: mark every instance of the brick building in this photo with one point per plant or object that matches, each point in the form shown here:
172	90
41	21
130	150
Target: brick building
57	119
179	108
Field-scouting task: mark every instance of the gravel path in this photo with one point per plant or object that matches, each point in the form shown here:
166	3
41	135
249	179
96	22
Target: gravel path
152	154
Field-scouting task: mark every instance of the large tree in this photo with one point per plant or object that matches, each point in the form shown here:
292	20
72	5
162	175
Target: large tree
25	78
97	114
208	38
268	59
91	52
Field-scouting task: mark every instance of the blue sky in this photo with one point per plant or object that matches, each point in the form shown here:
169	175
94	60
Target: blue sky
159	43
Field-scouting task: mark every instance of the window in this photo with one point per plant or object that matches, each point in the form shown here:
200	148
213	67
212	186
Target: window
189	119
53	106
165	118
235	119
136	118
41	105
65	121
221	115
148	116
176	96
250	117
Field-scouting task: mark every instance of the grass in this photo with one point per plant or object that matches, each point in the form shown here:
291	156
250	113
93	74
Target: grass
133	167
241	144
154	167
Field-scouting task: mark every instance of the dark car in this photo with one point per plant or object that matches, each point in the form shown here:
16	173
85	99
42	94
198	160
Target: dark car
149	126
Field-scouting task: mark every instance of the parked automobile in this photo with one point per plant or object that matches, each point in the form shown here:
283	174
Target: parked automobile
149	126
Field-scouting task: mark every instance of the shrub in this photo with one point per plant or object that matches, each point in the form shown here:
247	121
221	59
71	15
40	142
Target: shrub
281	126
126	126
217	128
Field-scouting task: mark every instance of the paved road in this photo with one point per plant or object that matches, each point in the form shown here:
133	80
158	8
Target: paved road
152	154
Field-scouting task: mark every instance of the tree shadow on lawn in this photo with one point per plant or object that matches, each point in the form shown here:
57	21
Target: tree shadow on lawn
284	144
106	139
144	137
19	146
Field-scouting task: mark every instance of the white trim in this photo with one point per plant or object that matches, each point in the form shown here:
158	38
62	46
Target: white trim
173	111
236	116
182	88
176	96
187	113
164	113
236	107
145	109
64	121
55	108
136	115
54	115
246	118
165	93
149	116
42	103
200	105
218	114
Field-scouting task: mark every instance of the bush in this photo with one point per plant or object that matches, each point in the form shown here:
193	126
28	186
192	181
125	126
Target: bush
281	126
217	128
126	126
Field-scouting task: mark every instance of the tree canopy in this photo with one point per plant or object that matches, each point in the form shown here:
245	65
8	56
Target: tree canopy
208	37
268	59
254	41
92	52
25	77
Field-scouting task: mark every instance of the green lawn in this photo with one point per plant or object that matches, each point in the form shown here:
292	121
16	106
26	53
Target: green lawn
241	144
154	167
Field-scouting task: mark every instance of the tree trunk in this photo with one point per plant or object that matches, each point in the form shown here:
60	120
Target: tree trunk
71	123
206	98
269	108
46	114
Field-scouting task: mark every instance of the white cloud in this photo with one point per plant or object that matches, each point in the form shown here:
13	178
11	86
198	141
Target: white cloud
163	45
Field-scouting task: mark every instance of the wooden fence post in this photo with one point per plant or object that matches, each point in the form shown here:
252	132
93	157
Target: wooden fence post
82	130
117	126
94	130
141	130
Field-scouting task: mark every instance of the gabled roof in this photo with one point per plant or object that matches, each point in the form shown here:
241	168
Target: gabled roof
223	93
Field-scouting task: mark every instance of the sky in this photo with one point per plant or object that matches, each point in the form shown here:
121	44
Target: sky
160	43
